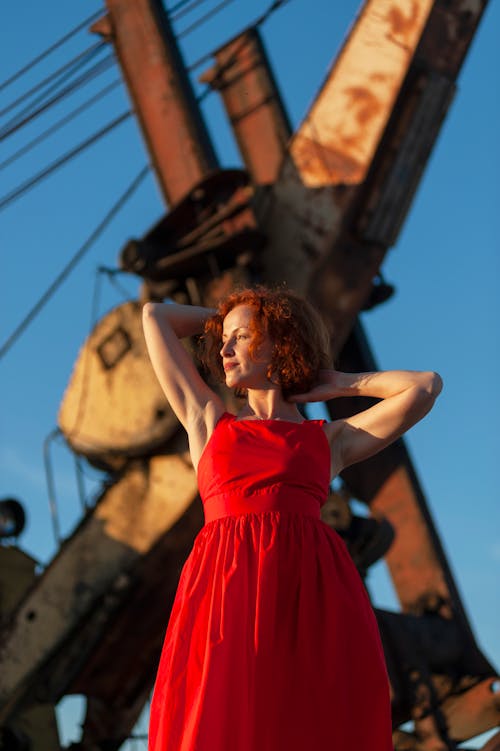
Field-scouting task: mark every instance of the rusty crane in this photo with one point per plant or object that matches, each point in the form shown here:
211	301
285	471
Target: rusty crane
317	208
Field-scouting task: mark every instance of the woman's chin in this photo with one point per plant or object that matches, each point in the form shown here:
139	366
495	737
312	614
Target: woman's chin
231	381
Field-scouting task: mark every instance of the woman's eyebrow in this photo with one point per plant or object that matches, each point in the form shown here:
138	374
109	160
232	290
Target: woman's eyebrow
234	330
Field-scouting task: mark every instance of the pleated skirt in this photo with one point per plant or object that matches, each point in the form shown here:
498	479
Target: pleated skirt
272	644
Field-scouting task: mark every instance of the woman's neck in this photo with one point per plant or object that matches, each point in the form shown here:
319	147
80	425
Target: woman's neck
269	404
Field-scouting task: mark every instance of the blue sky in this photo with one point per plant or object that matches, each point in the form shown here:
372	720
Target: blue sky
445	266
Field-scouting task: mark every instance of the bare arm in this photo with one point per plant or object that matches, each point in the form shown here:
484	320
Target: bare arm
406	397
195	404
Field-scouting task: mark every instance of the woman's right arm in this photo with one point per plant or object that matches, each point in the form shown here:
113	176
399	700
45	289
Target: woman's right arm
195	404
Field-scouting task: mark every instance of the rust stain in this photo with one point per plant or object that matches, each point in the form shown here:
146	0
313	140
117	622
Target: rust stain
401	25
379	77
320	159
365	104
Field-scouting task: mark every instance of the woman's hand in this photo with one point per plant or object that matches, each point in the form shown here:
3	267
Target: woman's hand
185	320
327	387
382	384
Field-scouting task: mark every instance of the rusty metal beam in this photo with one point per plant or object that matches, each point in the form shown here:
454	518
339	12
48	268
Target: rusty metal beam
161	92
338	139
389	485
246	83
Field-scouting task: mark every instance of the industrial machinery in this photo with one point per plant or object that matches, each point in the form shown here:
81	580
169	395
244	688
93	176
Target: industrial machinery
317	208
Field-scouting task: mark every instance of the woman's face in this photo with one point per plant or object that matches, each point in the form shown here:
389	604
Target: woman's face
241	369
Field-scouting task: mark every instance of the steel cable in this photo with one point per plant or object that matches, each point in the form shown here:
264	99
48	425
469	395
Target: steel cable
28	184
181	4
191	5
54	286
276	5
50	49
13	125
59	124
203	19
87	54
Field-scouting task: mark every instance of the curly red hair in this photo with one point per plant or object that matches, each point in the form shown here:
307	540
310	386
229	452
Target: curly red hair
299	335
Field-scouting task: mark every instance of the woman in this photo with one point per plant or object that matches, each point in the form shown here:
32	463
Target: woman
272	644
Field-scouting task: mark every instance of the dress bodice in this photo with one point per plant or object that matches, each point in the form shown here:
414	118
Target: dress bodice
253	465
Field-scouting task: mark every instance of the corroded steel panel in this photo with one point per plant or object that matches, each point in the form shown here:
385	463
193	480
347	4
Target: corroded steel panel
97	416
128	520
162	94
337	140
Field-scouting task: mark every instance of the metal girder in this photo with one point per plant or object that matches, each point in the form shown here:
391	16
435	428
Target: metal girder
253	103
161	92
388	483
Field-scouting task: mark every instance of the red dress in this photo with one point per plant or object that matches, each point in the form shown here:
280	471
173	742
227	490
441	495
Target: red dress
272	643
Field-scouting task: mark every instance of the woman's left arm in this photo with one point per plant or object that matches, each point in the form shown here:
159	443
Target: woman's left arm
406	397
